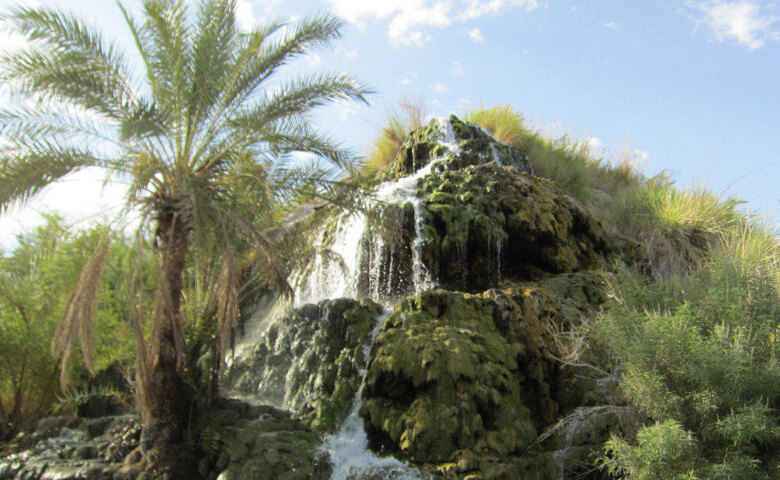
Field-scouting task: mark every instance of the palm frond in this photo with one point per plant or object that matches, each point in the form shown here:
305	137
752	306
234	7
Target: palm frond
73	63
77	321
27	169
258	61
228	288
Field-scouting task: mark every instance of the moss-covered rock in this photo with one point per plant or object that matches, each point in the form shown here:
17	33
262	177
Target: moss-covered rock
489	222
465	382
309	361
261	442
441	379
453	144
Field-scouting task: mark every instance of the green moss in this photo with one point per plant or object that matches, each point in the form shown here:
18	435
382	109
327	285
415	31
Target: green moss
475	147
310	361
442	378
490	222
262	442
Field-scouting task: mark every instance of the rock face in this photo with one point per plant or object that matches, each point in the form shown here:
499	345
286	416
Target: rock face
263	442
489	222
309	360
71	448
483	268
453	145
457	377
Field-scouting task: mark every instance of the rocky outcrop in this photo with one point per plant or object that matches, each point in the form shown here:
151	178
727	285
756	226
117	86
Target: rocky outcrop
309	361
490	222
466	379
72	448
261	442
452	144
239	441
486	269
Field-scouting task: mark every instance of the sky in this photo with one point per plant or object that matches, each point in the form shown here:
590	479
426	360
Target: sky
690	88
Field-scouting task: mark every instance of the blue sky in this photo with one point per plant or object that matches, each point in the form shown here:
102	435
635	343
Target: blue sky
692	88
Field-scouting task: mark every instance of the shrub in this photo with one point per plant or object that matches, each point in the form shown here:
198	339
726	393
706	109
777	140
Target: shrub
700	353
36	280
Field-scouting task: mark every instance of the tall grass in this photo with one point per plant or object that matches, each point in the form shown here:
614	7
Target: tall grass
410	116
567	162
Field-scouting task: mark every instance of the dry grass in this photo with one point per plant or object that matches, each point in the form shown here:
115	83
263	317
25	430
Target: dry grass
411	116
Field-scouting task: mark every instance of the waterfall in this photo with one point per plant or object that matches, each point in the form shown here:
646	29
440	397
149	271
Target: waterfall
348	448
335	270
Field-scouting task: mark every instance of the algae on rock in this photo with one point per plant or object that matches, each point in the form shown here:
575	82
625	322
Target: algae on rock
453	144
442	379
309	361
464	382
491	222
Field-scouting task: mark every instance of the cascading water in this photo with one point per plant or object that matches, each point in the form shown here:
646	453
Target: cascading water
354	261
335	271
348	448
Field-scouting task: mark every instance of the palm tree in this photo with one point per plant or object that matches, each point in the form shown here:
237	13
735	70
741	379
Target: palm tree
204	142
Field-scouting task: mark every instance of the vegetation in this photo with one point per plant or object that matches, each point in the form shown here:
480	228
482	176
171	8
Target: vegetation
36	281
692	323
393	135
204	145
690	328
699	354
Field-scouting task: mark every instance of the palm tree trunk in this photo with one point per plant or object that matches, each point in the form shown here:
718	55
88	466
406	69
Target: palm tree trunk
167	401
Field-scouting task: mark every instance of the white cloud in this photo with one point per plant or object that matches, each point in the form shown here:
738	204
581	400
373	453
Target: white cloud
440	88
476	35
313	59
742	21
464	103
478	8
346	110
595	146
612	25
245	17
641	155
457	69
406	81
408	20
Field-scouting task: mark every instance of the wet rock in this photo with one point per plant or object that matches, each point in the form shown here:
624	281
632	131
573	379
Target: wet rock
489	223
309	361
468	144
263	442
441	379
460	381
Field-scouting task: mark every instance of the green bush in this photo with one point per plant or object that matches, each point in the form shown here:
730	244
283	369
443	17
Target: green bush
36	279
700	358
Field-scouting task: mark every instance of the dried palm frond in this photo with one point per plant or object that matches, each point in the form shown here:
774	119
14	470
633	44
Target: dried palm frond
228	287
77	321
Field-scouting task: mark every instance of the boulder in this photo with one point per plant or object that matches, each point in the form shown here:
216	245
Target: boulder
309	361
488	223
460	382
262	442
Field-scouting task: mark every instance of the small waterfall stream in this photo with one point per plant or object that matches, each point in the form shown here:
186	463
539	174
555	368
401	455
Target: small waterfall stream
348	448
350	252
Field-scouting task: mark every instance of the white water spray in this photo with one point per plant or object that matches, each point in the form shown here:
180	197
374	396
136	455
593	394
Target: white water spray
327	277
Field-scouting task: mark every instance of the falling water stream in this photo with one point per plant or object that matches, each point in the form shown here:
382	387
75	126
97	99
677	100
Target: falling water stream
327	277
324	279
348	448
346	252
